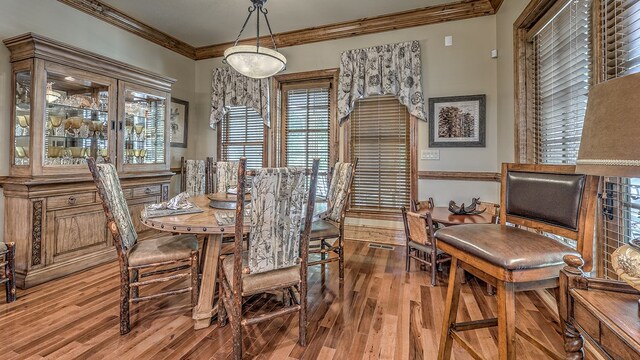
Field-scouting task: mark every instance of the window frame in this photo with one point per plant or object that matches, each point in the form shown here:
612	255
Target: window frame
265	142
301	80
536	12
413	170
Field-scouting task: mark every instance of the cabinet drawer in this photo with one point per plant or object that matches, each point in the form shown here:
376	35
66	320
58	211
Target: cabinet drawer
146	191
56	202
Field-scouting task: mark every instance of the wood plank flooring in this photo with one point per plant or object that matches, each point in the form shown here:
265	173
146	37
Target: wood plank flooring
380	312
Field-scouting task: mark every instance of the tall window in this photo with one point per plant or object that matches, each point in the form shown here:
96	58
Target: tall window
621	54
562	78
380	136
306	124
241	133
559	61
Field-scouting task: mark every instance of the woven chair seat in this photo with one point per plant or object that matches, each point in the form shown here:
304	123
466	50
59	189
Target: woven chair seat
168	248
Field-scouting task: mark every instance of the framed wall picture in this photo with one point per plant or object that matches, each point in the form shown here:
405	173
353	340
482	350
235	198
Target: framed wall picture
179	116
457	121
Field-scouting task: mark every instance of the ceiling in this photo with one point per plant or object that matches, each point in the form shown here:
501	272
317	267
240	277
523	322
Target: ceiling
206	22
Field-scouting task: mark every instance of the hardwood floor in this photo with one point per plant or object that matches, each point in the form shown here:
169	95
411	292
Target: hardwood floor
380	312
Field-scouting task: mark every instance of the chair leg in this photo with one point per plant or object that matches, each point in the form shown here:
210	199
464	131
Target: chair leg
323	255
10	272
303	313
506	321
135	290
222	310
408	259
236	328
195	271
341	256
450	310
434	260
125	322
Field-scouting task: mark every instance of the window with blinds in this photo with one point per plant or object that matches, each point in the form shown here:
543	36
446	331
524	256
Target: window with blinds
562	78
306	128
242	134
621	56
380	140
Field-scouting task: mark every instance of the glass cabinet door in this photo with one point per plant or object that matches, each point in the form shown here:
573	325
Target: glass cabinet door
77	118
22	121
144	128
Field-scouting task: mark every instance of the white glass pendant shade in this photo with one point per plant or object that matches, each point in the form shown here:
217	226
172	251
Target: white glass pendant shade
255	62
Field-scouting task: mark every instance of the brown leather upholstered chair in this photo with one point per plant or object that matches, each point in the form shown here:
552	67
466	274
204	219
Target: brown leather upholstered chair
544	198
7	263
421	243
180	251
278	248
196	176
330	225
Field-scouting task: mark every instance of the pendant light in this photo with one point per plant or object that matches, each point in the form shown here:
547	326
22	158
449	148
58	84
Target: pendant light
257	61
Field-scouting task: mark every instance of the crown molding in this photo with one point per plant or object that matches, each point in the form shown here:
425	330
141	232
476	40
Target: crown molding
119	19
424	16
464	9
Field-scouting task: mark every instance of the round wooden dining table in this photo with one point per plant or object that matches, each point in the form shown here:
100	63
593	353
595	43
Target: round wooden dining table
208	223
443	216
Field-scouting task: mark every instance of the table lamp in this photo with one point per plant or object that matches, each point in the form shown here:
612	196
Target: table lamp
610	146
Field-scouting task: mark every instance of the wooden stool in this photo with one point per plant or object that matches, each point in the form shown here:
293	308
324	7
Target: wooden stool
545	198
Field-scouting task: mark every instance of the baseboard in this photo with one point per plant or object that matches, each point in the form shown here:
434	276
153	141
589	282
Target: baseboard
374	234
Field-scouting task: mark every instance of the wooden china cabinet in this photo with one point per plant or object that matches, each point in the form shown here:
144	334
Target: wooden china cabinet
69	104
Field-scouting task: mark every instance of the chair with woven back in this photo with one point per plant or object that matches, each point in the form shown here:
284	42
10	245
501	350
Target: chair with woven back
420	205
278	248
517	254
330	224
141	259
421	242
7	263
196	176
491	209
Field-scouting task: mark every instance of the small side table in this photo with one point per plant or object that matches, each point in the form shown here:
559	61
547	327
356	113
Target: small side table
603	312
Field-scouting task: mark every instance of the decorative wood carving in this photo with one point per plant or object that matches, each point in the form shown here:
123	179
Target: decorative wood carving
460	175
460	10
36	233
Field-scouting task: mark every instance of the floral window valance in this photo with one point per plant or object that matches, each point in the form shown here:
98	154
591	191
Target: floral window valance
392	69
233	89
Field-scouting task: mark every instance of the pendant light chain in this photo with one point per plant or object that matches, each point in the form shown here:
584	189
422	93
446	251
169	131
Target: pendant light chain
266	19
251	9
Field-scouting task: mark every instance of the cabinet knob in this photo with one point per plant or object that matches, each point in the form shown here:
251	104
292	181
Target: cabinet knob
72	200
147	191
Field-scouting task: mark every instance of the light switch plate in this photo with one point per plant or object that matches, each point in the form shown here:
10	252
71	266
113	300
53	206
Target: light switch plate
448	40
430	154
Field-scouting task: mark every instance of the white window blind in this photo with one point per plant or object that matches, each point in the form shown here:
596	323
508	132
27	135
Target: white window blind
621	52
306	128
242	134
562	79
621	37
380	140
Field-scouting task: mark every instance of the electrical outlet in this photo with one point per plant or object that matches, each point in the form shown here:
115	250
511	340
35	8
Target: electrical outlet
430	155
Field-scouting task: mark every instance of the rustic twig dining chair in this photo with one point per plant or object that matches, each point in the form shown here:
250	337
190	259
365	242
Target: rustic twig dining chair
196	176
545	199
167	254
424	204
330	224
421	242
278	248
8	264
226	175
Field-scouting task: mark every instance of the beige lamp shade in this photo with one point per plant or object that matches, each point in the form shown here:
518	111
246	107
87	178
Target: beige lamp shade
610	144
